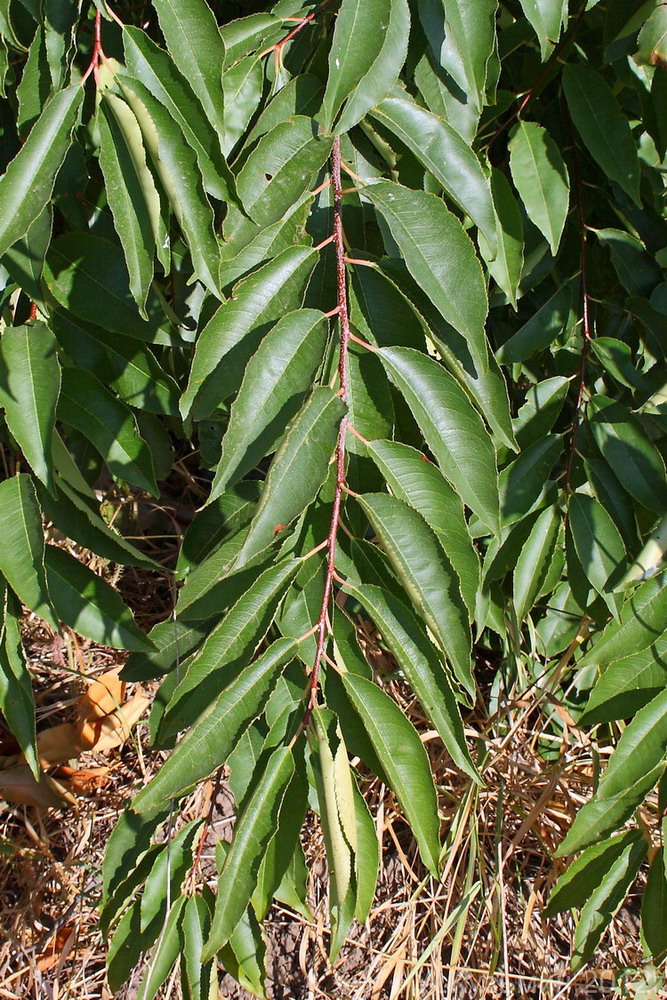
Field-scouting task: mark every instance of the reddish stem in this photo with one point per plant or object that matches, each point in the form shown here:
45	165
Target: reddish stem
586	321
299	27
97	53
343	316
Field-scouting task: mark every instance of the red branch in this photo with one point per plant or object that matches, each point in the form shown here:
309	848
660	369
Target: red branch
97	54
343	317
299	27
586	320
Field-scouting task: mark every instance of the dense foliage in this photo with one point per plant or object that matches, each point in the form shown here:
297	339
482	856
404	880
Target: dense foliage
396	269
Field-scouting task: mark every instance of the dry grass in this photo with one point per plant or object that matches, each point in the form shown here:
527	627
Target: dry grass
478	933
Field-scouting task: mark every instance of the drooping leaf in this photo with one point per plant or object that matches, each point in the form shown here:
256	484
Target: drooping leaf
643	620
534	561
540	176
633	770
109	425
546	17
87	275
17	701
236	330
228	648
583	876
604	129
405	638
208	744
298	469
153	67
404	759
28	182
195	44
420	483
29	390
178	170
274	384
369	47
628	684
22	554
504	256
654	908
451	427
449	158
131	192
439	256
85	602
165	952
597	541
252	833
426	574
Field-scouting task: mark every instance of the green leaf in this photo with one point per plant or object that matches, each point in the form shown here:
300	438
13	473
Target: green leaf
504	256
298	469
242	88
168	872
427	576
164	954
652	44
88	276
85	602
335	792
603	127
127	366
195	926
273	388
452	428
109	425
219	520
540	176
597	541
207	745
367	862
22	551
415	655
541	330
522	482
77	520
369	47
228	648
404	759
440	148
172	642
546	18
654	908
584	875
152	66
25	259
635	460
131	192
26	187
534	561
440	257
604	901
176	165
17	701
195	44
628	684
252	833
418	482
30	380
643	620
469	40
235	331
128	842
275	175
633	770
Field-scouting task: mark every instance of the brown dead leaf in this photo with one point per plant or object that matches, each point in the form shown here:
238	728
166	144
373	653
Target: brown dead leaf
83	780
114	729
103	697
58	744
18	784
51	956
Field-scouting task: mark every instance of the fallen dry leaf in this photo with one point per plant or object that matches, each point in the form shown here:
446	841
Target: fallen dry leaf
51	956
114	729
18	784
104	696
58	744
83	780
